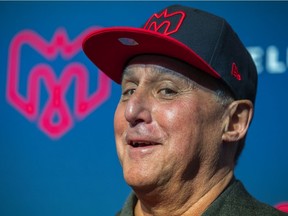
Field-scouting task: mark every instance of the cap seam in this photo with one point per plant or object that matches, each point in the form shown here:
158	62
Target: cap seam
217	44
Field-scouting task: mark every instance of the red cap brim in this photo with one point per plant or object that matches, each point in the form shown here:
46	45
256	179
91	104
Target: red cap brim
110	49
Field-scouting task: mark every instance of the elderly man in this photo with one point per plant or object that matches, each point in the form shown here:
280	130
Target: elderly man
188	92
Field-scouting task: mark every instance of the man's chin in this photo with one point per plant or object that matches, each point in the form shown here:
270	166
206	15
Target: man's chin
140	185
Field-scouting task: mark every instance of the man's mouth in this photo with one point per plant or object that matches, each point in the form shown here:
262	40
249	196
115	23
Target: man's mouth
137	144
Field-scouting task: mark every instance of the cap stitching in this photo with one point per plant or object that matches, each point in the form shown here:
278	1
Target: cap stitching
217	44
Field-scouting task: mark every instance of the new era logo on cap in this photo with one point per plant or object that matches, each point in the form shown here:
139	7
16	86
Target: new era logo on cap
165	23
235	73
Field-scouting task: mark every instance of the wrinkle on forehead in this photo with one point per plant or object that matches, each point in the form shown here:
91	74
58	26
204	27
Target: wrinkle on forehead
164	64
155	71
161	66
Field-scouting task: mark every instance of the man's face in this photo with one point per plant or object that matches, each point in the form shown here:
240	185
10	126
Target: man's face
168	128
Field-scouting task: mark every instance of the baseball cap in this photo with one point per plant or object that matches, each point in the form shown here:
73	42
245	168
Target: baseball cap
196	37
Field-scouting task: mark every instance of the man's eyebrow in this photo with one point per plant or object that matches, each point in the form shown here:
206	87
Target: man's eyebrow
162	73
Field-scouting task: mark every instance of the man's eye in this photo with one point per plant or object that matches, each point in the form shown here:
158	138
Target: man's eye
167	92
128	92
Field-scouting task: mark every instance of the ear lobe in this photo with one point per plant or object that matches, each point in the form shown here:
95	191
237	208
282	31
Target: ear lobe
239	116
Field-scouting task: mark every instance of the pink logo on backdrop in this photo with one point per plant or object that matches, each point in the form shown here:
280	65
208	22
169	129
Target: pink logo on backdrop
56	118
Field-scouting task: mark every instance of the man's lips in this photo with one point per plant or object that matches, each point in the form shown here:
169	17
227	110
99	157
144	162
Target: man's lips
142	137
137	144
141	146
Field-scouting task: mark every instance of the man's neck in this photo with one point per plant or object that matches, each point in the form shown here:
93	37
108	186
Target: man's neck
191	207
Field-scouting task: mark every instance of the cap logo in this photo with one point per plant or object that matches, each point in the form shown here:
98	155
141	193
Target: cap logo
165	23
235	72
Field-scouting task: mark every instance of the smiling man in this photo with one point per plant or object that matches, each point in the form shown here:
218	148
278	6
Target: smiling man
188	93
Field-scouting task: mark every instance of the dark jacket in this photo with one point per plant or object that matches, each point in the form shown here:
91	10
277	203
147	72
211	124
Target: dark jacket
233	201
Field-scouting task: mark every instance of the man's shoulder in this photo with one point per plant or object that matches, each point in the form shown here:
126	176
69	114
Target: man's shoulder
128	208
235	200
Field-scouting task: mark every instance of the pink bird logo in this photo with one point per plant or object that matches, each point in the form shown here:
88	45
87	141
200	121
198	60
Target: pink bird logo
56	106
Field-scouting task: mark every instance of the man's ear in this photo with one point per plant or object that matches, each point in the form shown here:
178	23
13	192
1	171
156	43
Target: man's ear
239	116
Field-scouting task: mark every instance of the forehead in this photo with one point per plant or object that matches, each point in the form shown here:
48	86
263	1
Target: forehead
152	72
170	66
161	64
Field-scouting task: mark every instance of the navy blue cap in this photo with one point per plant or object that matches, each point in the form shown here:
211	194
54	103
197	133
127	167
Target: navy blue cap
198	38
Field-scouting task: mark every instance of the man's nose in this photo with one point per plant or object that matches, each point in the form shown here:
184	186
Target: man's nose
138	109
